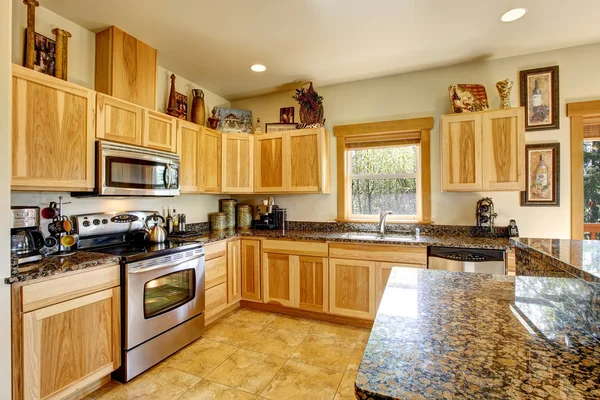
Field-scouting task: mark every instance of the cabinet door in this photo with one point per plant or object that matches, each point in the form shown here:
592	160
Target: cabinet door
238	163
313	283
52	133
234	272
278	279
352	288
251	270
212	161
189	147
504	149
383	271
461	152
306	169
215	299
118	121
270	171
160	131
71	344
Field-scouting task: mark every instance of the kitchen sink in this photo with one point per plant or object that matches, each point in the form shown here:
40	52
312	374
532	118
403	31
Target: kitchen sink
392	237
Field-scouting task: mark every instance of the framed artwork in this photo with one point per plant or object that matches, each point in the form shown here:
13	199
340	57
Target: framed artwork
44	54
279	127
286	115
540	97
468	98
182	105
234	121
542	179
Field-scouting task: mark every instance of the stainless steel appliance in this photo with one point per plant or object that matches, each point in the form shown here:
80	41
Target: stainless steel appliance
162	287
466	260
270	216
25	237
125	170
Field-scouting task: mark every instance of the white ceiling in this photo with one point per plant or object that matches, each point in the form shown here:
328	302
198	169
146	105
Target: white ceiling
213	43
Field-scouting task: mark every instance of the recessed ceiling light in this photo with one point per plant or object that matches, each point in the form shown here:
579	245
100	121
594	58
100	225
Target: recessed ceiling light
513	15
258	68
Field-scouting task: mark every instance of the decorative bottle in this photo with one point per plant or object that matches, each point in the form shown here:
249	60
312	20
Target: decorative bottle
198	107
258	128
541	173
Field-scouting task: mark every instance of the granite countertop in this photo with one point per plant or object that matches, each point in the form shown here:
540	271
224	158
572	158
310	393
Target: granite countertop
580	258
451	335
59	264
358	237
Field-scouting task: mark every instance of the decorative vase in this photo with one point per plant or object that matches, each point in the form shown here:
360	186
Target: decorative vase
309	116
504	88
213	121
198	107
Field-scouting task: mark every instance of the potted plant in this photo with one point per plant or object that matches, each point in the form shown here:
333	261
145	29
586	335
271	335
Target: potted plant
311	105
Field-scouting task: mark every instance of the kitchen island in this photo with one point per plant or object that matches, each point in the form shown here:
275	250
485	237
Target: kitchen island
444	335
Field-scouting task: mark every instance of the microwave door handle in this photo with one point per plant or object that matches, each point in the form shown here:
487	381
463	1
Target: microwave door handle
167	176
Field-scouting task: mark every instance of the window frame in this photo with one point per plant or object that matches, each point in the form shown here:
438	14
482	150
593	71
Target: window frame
378	133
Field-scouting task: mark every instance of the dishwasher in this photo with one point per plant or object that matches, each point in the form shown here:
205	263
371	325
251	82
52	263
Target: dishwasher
454	259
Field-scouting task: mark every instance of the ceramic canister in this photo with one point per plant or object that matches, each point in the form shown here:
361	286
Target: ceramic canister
244	216
228	207
218	221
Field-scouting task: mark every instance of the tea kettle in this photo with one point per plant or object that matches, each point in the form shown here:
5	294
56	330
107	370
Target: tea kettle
156	234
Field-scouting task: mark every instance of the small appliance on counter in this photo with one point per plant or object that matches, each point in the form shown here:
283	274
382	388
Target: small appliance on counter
26	239
485	213
270	216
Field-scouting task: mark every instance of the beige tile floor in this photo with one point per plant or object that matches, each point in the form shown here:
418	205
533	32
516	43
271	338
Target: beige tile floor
251	354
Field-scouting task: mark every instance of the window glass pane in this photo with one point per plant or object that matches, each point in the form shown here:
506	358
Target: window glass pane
372	196
388	160
168	292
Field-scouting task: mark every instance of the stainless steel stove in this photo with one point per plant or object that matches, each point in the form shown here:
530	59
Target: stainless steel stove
162	287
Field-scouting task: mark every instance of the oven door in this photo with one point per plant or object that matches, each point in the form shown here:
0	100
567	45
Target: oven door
161	293
125	170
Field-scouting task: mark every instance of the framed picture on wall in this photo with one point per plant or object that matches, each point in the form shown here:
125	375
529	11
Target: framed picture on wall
540	97
44	54
542	180
286	115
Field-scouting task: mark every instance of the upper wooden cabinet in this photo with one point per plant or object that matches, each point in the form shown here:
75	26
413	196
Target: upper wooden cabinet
212	161
293	161
190	140
52	133
237	162
483	151
118	121
159	131
126	68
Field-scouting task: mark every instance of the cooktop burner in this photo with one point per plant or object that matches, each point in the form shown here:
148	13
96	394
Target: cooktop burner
139	250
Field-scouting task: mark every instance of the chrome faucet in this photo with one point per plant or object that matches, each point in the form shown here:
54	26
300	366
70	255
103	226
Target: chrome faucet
382	218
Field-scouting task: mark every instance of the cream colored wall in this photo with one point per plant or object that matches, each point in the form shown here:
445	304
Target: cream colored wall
5	154
425	94
81	71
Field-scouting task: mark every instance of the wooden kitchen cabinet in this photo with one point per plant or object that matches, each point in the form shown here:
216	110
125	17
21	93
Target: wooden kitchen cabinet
278	279
237	163
52	133
118	121
483	151
251	270
126	68
159	131
212	161
270	172
313	283
66	333
215	280
190	141
352	288
234	271
382	272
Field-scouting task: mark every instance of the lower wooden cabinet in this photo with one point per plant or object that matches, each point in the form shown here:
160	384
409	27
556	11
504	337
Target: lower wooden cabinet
383	271
278	279
313	283
234	271
352	288
251	276
215	280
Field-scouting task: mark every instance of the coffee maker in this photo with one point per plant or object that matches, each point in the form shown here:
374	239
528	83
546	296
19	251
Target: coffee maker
270	216
26	238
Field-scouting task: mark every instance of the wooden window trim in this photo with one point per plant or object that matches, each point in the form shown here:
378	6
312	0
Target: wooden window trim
580	113
405	129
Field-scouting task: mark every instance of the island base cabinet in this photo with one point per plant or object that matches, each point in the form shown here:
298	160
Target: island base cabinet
352	288
70	345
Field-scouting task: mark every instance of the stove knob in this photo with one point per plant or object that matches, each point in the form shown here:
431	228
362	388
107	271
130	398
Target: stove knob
86	223
96	222
105	221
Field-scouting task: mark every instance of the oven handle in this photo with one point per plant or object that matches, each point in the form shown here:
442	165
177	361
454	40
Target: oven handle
142	269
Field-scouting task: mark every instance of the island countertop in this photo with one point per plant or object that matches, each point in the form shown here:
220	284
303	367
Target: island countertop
447	335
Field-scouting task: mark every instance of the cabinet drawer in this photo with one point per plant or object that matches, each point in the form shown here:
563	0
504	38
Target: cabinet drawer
379	252
295	247
47	293
216	249
216	272
215	299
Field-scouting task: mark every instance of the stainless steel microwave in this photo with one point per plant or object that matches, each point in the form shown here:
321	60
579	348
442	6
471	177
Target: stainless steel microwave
125	170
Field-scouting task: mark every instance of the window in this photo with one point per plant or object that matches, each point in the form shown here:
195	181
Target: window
384	166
